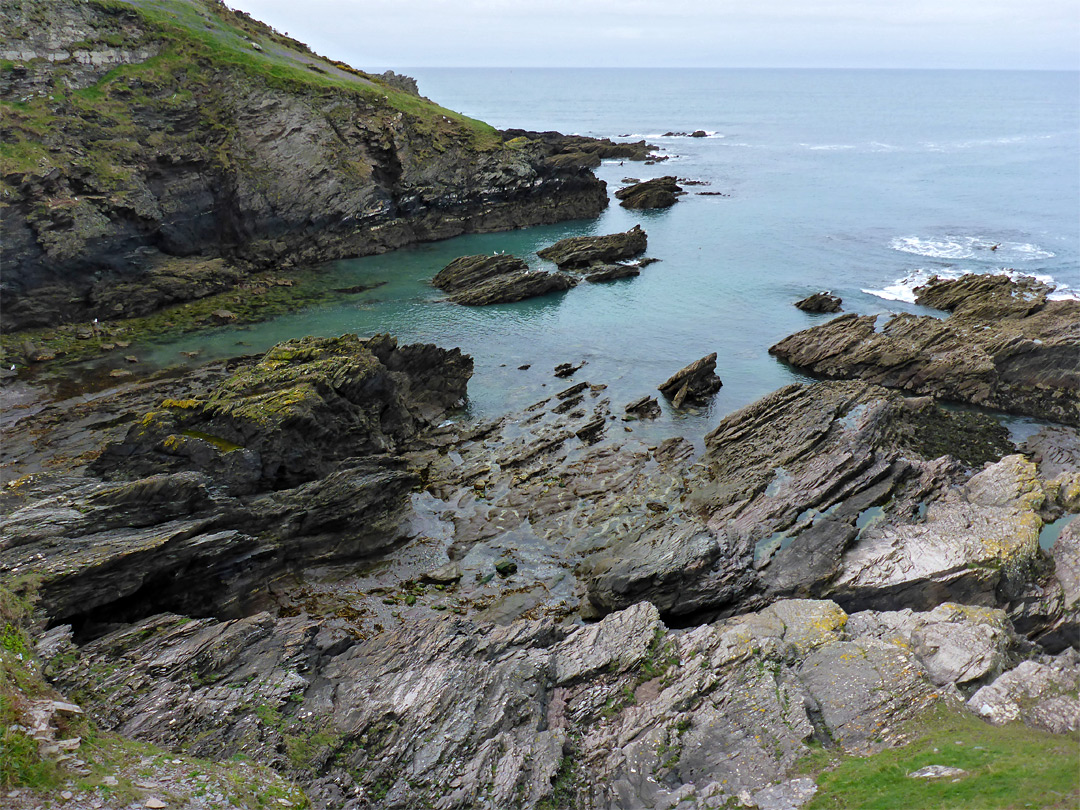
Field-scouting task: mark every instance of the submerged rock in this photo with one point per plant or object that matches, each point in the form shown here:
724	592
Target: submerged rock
661	192
582	251
822	302
694	384
1005	346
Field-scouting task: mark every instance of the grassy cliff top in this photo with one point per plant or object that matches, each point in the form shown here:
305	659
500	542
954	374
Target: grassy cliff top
178	46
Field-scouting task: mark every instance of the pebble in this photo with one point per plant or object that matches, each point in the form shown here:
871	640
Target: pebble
110	781
66	795
154	803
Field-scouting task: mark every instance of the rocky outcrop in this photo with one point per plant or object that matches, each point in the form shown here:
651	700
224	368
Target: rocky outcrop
788	500
294	414
483	280
581	150
821	302
611	272
662	192
578	252
1004	346
693	384
270	158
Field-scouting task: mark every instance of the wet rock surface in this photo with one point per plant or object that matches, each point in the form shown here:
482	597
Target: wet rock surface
1004	346
661	192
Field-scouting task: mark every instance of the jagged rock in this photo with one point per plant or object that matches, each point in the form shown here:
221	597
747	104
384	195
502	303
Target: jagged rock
644	408
568	370
661	192
468	271
698	133
782	486
1005	346
304	406
484	280
694	383
822	302
1040	695
582	251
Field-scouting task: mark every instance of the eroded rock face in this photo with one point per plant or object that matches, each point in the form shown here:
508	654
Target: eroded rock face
661	192
582	251
1004	346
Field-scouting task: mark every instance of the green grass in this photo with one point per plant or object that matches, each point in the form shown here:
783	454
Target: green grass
1008	767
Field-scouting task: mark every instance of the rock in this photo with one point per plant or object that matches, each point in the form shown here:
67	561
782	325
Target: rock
662	192
567	369
611	272
698	133
297	411
1005	347
937	772
154	803
645	407
1041	696
957	644
505	568
556	144
821	302
223	316
694	383
582	251
468	271
445	575
789	795
484	280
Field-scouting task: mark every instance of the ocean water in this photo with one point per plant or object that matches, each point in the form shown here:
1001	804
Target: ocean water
864	183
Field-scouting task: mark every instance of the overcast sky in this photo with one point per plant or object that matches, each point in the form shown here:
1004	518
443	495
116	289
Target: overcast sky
377	34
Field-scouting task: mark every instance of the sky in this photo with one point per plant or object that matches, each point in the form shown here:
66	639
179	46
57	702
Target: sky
379	34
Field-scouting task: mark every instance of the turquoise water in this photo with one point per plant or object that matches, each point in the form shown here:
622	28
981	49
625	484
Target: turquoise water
860	182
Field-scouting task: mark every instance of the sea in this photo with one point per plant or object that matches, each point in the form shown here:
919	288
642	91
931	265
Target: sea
862	182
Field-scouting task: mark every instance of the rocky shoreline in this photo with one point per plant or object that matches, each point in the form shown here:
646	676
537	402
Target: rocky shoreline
296	556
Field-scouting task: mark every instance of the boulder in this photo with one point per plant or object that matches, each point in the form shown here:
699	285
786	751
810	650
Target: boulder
583	251
694	384
468	271
818	303
661	192
645	407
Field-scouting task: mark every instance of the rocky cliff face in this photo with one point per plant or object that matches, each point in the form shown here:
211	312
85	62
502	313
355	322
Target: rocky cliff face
136	132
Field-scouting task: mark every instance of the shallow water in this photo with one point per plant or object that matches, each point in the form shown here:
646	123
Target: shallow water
860	182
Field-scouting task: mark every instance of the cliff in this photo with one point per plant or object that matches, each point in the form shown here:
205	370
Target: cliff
137	133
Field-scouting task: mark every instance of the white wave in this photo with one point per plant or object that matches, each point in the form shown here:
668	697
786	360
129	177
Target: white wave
827	147
969	247
904	289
